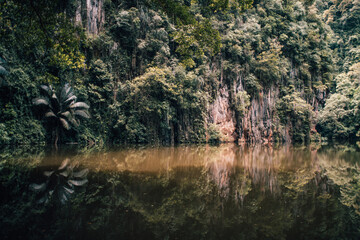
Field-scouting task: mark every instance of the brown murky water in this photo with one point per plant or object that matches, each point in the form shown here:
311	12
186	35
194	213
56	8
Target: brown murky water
183	192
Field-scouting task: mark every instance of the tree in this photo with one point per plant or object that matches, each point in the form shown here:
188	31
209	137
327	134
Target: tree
340	116
61	108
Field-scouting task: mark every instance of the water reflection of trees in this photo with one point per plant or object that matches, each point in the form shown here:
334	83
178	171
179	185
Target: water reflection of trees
238	169
201	192
342	168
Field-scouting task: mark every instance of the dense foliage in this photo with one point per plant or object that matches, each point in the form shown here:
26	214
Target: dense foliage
156	69
340	117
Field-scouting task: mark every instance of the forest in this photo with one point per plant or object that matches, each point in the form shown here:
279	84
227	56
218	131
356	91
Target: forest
179	71
180	119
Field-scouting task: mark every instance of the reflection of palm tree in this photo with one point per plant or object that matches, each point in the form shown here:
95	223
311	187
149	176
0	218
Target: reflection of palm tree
61	183
3	71
61	108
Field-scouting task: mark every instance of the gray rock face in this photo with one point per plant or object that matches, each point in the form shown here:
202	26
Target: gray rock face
257	123
221	114
91	15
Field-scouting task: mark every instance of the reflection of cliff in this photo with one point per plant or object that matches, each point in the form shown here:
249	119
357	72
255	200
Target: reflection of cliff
285	193
238	169
234	169
260	164
220	164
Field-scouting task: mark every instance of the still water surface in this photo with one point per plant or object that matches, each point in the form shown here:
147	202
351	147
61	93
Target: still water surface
185	192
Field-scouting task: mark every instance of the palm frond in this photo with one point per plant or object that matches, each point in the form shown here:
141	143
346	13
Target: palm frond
81	174
62	106
78	183
40	101
38	187
3	71
65	173
64	164
66	90
64	123
50	114
67	114
70	99
46	89
48	173
80	105
63	196
69	190
74	122
82	113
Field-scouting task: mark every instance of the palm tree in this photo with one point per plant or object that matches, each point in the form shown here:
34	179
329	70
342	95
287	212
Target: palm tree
61	108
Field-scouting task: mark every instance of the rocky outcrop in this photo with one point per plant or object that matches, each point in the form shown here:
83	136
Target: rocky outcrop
221	114
239	116
257	123
90	14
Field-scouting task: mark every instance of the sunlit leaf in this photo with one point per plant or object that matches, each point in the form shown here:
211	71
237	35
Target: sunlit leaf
82	113
69	190
64	123
79	105
78	183
65	91
81	174
71	98
64	173
38	187
64	164
50	114
66	114
48	173
40	101
3	71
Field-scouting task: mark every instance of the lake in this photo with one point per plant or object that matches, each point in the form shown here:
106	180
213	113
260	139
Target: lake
226	191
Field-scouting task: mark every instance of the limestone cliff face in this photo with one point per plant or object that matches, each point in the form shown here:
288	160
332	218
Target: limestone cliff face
91	15
257	123
221	114
260	122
